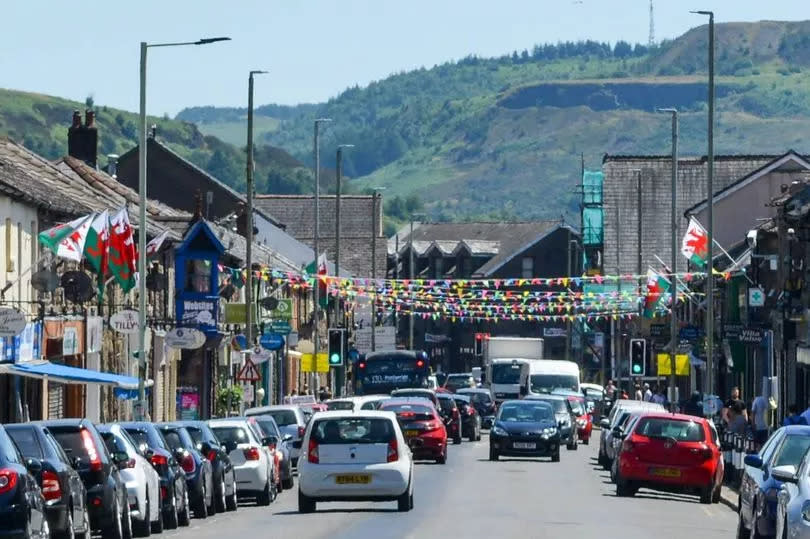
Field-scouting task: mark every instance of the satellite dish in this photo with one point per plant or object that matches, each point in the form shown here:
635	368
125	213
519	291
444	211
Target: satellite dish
78	286
45	280
268	303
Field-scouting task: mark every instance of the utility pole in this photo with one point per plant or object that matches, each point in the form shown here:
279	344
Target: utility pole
568	321
410	282
618	325
374	226
673	313
338	178
316	289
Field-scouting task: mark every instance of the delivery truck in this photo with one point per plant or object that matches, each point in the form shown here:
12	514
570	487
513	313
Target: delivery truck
507	362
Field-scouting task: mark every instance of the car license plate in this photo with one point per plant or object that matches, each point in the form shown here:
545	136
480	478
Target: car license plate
524	445
665	472
353	479
411	433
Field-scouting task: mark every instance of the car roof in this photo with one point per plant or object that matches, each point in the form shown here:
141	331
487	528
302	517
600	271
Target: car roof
414	389
545	397
399	401
273	407
473	390
677	417
228	422
460	397
445	395
534	402
69	422
465	374
337	414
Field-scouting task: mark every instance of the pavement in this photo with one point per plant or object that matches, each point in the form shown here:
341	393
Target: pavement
470	497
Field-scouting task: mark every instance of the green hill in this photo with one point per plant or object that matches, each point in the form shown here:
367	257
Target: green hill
503	137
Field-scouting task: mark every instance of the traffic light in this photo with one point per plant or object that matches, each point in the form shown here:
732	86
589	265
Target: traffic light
638	357
479	344
336	347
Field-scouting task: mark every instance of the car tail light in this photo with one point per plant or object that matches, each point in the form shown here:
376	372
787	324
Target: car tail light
51	489
704	452
361	365
187	463
312	452
211	455
159	460
90	446
420	363
163	493
432	425
455	413
301	431
627	446
251	453
8	480
393	452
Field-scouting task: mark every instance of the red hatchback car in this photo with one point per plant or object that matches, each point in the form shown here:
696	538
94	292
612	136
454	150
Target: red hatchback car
422	427
671	452
584	420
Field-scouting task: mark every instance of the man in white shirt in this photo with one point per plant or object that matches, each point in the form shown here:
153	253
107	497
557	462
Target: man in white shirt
647	392
759	420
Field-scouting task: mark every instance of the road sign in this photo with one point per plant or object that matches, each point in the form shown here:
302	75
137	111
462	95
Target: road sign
283	310
249	372
272	341
281	326
385	338
756	297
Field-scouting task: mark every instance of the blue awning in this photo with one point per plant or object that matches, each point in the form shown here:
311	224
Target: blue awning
70	375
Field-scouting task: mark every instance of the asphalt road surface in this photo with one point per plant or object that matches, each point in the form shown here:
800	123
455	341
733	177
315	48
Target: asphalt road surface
472	497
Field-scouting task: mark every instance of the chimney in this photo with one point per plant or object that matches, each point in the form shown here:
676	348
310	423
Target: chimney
83	138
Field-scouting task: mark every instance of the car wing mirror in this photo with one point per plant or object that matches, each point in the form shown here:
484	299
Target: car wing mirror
753	460
287	437
605	424
786	474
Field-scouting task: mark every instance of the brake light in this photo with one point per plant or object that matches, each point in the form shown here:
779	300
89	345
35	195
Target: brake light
420	363
312	452
455	413
704	452
361	365
301	431
159	460
8	480
187	463
51	489
470	411
211	455
251	453
393	453
432	426
90	446
406	414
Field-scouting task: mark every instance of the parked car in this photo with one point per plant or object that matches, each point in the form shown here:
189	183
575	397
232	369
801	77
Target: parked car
365	402
355	456
280	443
607	424
62	489
251	460
429	394
470	420
22	506
525	428
422	427
221	466
140	478
270	446
671	452
483	402
582	416
290	419
199	478
311	408
450	415
566	420
106	492
173	490
456	381
793	500
759	487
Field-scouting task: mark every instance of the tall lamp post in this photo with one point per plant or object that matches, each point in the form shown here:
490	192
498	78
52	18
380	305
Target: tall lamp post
673	314
338	178
316	289
709	215
374	226
411	276
142	214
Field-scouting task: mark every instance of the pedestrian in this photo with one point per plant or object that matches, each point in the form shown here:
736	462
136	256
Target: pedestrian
322	394
659	397
647	392
794	417
694	406
729	404
610	390
759	420
736	418
638	395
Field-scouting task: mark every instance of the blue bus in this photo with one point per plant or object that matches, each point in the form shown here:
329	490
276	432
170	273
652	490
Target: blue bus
383	372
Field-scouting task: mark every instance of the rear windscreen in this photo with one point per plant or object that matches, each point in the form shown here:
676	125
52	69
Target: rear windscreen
172	438
340	405
447	405
283	417
236	435
27	443
353	430
267	426
680	430
196	435
410	412
71	441
577	405
140	437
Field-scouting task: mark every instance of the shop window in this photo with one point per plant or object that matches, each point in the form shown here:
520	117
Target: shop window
198	276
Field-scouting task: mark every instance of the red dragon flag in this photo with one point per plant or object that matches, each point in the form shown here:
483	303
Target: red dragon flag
95	246
53	237
122	261
657	288
695	244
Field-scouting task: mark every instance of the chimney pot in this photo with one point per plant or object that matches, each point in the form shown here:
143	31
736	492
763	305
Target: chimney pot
77	119
89	118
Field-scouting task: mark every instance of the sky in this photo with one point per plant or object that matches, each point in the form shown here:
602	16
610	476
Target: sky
313	49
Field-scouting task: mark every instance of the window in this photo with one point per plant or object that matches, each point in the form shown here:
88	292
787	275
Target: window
198	276
360	430
7	448
27	443
680	431
792	451
527	267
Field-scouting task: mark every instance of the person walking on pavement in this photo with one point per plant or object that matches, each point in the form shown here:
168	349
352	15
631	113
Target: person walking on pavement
729	404
759	420
736	418
648	394
694	406
794	417
610	390
659	397
639	396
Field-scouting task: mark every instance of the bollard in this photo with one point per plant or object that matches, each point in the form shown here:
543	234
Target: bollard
728	447
739	454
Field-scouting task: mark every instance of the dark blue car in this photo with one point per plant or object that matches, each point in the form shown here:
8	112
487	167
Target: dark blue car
759	489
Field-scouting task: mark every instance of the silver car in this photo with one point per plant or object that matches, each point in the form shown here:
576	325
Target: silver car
793	500
290	420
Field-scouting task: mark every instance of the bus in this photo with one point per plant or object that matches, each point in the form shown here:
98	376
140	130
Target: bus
383	372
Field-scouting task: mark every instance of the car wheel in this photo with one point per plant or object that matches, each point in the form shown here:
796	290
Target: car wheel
457	439
221	502
493	454
264	496
404	501
613	471
288	483
212	507
184	518
442	459
586	441
143	528
624	488
753	532
556	456
231	502
200	507
126	523
115	531
157	526
305	503
170	517
716	493
706	494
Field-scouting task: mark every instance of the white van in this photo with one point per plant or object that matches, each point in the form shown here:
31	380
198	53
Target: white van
547	375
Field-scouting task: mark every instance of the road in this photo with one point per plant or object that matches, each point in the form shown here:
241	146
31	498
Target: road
472	497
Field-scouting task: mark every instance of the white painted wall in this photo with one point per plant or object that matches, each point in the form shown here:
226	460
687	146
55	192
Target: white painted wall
18	250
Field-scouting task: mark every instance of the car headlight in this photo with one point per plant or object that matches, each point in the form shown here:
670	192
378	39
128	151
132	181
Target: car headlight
498	431
581	422
549	431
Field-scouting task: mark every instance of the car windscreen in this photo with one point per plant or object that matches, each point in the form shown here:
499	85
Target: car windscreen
677	429
283	417
525	412
340	405
792	451
544	383
506	373
577	405
594	394
393	365
237	435
172	438
479	398
410	412
353	430
459	381
268	426
447	405
27	443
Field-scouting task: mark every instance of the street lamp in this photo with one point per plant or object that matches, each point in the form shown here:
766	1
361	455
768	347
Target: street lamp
410	271
673	330
142	214
316	289
709	214
374	226
338	177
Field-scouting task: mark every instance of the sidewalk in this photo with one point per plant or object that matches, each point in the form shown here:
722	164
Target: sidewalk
729	497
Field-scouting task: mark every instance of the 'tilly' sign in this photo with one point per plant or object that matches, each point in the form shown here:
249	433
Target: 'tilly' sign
125	322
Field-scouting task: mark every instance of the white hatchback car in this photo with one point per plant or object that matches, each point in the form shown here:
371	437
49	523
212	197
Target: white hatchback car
251	459
354	456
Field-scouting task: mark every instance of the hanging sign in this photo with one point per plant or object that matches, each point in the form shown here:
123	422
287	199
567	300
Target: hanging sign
70	341
12	322
187	338
125	322
272	341
281	326
283	309
756	297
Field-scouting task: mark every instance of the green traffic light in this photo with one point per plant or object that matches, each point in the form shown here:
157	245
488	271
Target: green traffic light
636	369
334	359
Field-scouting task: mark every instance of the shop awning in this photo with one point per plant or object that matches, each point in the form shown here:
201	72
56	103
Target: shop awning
69	375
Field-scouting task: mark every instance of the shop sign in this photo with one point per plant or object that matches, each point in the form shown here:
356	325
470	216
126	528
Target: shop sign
199	311
690	333
236	313
554	332
125	322
750	336
283	310
186	338
281	326
272	341
12	322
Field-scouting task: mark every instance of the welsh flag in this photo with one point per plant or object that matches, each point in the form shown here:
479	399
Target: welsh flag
323	293
122	261
695	244
657	288
53	237
153	247
95	246
72	246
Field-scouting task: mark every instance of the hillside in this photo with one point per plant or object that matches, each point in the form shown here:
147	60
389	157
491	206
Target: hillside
41	122
503	137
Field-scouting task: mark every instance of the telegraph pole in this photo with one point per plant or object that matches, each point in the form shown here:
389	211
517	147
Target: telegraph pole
673	313
316	289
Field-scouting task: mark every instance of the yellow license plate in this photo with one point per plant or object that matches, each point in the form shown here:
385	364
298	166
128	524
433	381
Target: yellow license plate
411	433
665	472
353	479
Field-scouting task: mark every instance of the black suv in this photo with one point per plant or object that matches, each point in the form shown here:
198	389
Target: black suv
199	479
106	493
22	508
451	416
62	488
173	490
209	445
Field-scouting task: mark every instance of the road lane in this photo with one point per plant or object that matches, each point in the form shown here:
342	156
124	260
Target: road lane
472	497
